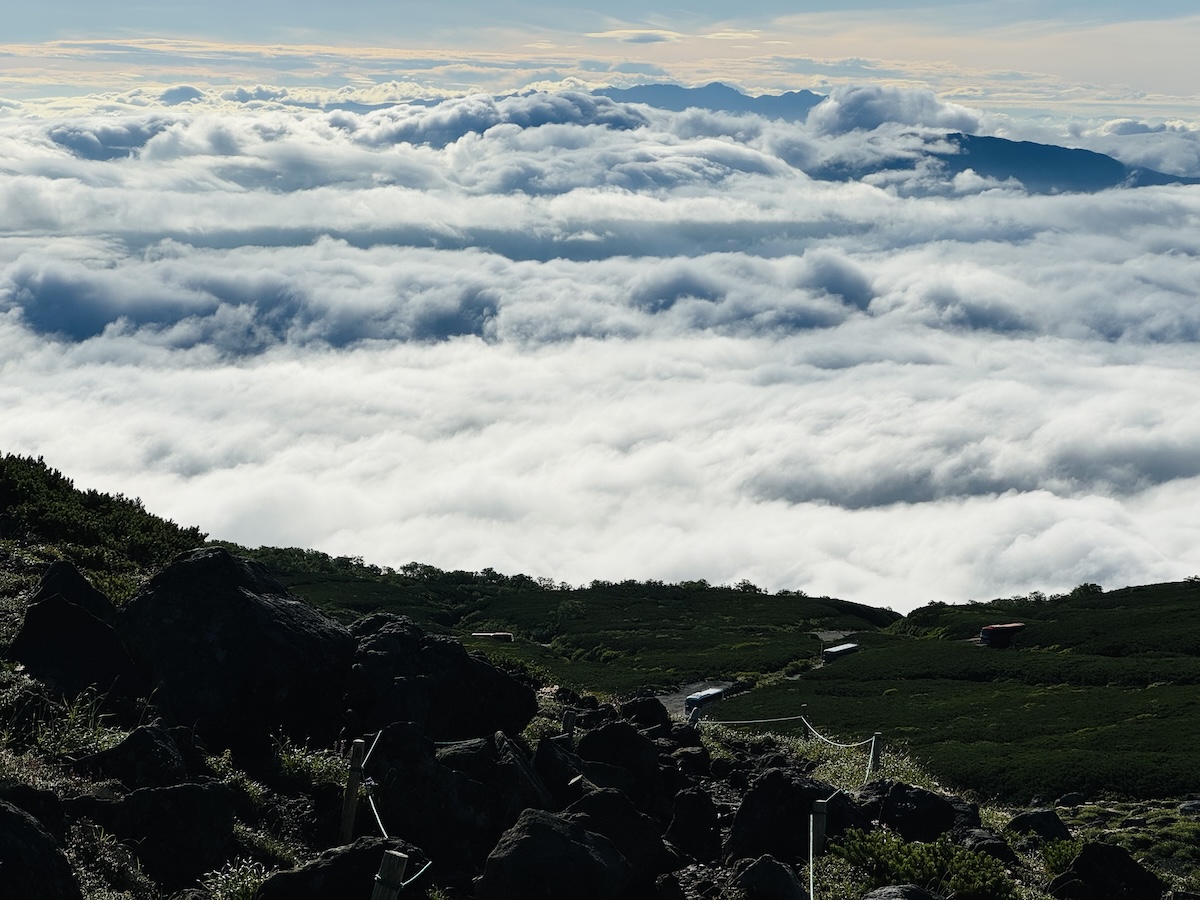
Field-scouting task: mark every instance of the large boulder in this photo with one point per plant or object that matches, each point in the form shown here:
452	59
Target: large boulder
447	813
774	817
501	766
635	835
766	879
1106	872
1042	824
41	803
545	856
913	812
146	757
67	646
402	674
620	744
32	864
235	656
340	873
646	712
695	824
984	840
177	833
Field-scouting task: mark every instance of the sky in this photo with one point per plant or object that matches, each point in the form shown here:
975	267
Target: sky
522	326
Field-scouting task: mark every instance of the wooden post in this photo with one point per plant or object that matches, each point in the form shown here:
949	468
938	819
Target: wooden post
819	816
876	751
390	879
568	722
350	798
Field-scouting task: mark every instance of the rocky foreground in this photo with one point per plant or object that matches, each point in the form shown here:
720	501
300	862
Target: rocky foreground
213	667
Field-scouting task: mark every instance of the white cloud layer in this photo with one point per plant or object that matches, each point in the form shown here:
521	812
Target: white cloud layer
556	334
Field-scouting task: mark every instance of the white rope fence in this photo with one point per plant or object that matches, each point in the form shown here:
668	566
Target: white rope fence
818	817
390	881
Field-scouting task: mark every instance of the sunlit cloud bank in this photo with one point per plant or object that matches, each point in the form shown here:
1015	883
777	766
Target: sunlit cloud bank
580	339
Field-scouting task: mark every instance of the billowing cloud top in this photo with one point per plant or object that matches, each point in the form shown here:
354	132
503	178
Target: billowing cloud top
583	338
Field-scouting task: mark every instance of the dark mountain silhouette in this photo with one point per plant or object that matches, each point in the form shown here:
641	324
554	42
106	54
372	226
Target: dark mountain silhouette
1046	168
1039	168
793	105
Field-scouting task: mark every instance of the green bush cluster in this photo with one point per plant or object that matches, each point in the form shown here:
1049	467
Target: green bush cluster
939	867
112	537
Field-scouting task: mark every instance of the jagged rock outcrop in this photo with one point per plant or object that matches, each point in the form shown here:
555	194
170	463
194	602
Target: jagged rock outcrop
402	674
233	655
562	771
64	579
32	864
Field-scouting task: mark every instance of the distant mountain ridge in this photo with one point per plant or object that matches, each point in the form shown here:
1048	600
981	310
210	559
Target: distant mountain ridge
792	105
1040	168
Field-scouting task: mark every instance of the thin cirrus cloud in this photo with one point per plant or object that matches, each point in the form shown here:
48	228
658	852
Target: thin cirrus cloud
564	335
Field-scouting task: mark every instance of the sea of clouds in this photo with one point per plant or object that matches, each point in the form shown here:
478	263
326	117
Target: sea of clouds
560	335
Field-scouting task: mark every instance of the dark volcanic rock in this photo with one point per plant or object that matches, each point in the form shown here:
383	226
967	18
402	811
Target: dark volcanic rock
147	757
635	835
1106	872
402	674
913	812
692	760
561	770
64	579
547	857
983	840
774	817
66	645
766	879
32	865
448	814
340	873
1044	823
43	805
620	744
506	774
235	656
694	827
177	833
646	712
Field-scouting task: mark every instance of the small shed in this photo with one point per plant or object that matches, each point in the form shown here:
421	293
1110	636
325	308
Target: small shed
832	653
999	637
